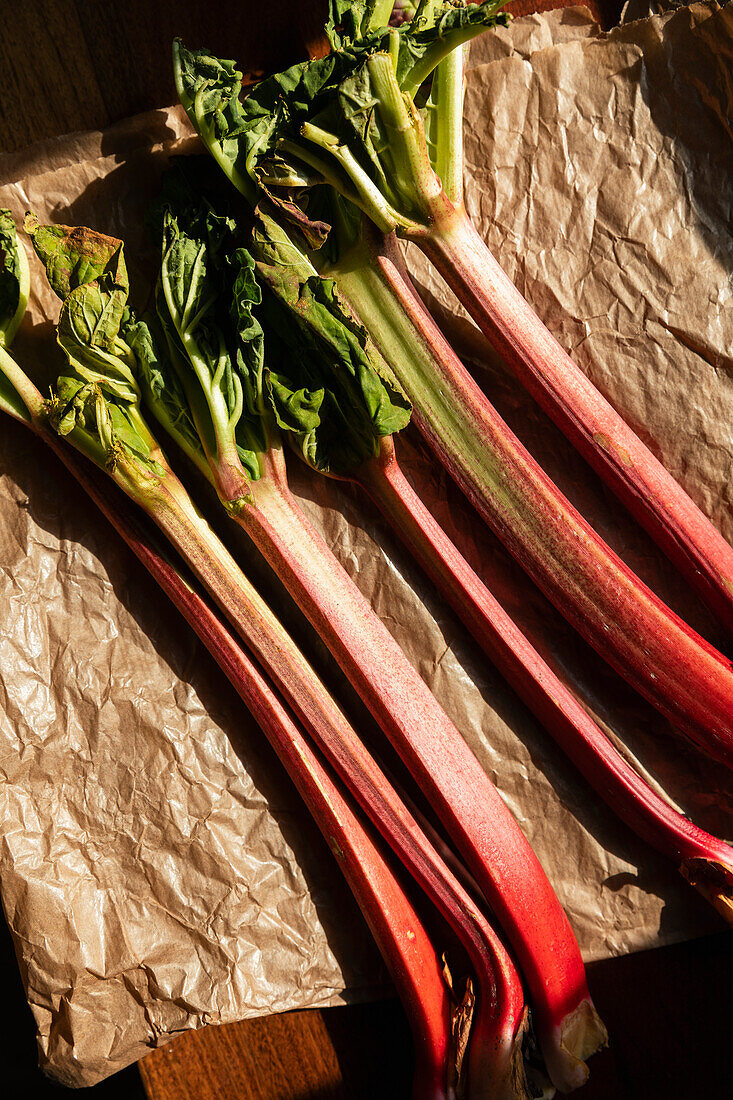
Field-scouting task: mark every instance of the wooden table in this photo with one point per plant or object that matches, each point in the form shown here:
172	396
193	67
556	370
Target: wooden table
78	64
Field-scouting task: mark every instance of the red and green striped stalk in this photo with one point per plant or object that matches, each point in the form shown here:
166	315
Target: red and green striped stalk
705	861
654	650
531	352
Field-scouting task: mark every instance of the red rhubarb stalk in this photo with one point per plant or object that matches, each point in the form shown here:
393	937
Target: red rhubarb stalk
652	648
545	369
498	1024
585	417
499	1020
396	926
705	861
469	806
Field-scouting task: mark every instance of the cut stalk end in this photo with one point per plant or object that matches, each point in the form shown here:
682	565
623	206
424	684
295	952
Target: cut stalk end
580	1034
496	1066
714	881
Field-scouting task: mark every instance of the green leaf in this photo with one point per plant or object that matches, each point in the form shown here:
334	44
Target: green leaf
88	331
252	430
107	432
331	120
73	256
161	385
351	20
69	405
323	380
88	271
14	279
195	290
97	402
190	304
209	90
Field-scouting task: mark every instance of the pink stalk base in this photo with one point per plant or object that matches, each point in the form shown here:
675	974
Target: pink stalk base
584	416
703	859
653	649
469	806
495	1050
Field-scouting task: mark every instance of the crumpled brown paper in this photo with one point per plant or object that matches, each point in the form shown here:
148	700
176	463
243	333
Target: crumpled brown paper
157	871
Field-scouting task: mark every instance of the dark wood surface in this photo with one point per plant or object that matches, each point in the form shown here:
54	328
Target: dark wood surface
77	64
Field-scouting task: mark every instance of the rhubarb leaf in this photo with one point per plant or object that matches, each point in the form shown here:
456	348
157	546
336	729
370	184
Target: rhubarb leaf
323	380
89	333
88	272
340	119
75	255
192	302
97	401
295	410
352	20
311	373
161	385
14	279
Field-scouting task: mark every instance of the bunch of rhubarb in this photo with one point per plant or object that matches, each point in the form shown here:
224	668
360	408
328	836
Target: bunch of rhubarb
283	320
487	1029
340	146
207	379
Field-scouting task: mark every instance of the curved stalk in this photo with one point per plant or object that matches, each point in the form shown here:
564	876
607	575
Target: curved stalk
393	921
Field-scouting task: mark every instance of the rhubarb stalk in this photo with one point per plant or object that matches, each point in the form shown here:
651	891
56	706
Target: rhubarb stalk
585	417
651	647
97	408
395	924
430	211
702	859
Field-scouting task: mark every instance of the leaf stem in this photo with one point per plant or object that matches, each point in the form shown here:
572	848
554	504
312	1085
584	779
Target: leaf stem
447	103
22	400
369	197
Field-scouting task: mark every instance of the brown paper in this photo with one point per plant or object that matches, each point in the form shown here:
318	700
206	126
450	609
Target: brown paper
157	870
